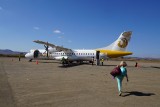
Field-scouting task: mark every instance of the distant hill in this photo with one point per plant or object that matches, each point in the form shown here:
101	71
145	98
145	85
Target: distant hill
10	52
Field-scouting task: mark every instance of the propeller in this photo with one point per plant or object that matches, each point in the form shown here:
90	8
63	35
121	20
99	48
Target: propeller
46	48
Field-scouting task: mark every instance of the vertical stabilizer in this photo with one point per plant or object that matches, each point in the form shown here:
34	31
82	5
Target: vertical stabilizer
121	43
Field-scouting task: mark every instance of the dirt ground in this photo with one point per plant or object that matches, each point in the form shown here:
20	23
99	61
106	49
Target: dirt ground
48	84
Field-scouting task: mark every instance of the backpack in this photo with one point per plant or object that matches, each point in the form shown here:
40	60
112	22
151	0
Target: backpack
116	71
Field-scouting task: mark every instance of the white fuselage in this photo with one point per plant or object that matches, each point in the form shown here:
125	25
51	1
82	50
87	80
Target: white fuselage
75	55
83	55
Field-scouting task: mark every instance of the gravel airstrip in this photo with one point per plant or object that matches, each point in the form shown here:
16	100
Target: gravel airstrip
49	84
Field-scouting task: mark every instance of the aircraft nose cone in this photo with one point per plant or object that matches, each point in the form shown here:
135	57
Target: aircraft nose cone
27	55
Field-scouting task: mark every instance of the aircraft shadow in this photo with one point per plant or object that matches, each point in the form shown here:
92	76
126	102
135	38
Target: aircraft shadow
136	93
45	62
70	65
155	67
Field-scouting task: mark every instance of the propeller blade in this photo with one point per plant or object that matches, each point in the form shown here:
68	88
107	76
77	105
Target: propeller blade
46	48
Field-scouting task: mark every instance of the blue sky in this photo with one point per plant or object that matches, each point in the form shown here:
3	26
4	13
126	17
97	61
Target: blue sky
79	24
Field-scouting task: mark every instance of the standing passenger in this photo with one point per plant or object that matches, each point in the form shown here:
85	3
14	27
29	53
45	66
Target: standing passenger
92	60
102	60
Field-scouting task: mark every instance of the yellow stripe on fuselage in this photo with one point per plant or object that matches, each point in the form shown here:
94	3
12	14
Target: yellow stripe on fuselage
114	54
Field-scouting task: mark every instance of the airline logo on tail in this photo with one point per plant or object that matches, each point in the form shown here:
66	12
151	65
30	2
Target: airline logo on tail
122	43
118	48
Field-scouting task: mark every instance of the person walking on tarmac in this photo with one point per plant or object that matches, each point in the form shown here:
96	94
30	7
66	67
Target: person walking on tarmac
102	60
120	77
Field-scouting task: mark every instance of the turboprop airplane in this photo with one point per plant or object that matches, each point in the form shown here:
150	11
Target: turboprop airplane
51	51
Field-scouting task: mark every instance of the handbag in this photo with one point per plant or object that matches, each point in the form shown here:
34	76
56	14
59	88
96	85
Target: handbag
116	71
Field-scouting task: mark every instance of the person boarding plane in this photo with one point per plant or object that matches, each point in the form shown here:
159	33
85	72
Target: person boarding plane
51	51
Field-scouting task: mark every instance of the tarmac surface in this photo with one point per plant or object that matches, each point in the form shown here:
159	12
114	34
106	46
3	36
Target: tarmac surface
49	84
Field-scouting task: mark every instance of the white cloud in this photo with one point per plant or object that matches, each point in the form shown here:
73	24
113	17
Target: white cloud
36	28
57	31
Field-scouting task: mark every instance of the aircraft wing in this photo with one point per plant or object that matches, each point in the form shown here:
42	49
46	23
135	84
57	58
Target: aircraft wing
44	43
58	48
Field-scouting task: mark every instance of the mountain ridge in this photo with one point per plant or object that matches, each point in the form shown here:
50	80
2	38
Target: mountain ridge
10	52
